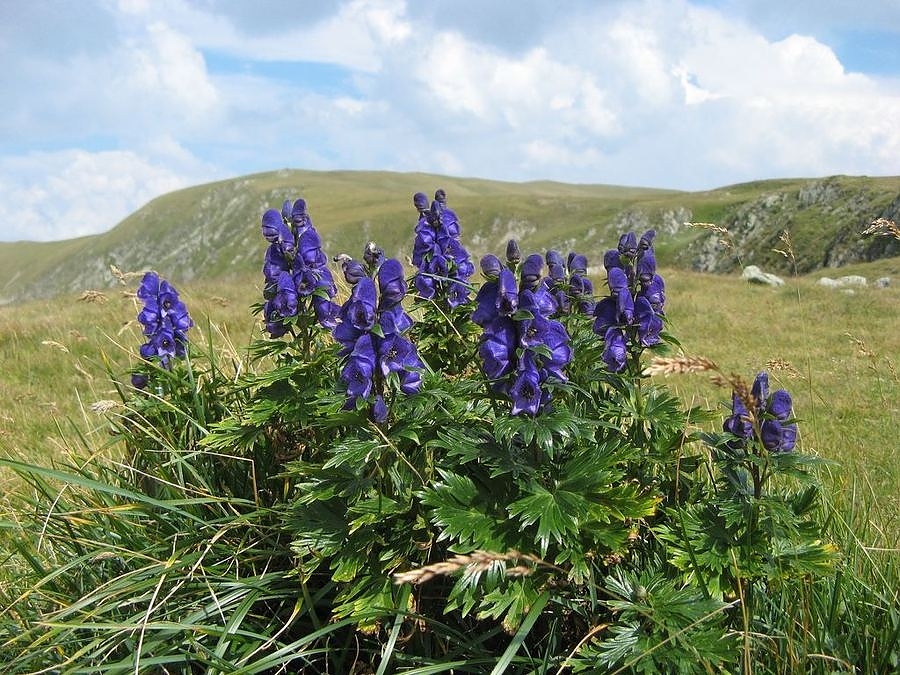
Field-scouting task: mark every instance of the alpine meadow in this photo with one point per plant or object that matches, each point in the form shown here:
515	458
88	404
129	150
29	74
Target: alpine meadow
368	422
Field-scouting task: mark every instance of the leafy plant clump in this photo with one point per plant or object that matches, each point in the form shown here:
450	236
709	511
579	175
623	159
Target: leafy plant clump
415	473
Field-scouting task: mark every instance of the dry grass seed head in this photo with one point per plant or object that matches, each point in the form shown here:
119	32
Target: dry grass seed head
788	252
782	366
883	227
93	296
477	561
679	365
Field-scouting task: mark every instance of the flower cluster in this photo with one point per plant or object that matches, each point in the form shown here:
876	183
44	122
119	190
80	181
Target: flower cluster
297	278
370	330
568	284
165	320
768	417
631	316
442	261
521	347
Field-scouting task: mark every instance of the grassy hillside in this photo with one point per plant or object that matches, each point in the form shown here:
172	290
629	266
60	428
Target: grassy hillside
212	231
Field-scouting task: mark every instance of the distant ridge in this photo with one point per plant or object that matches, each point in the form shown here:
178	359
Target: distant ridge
213	230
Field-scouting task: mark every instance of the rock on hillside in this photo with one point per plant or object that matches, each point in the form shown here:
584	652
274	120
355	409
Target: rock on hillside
824	218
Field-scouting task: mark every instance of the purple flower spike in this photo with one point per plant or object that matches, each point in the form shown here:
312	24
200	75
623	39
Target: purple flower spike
773	413
296	249
521	347
164	319
443	263
369	327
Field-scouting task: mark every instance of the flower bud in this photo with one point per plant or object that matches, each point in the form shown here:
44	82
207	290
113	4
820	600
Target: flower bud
373	254
513	254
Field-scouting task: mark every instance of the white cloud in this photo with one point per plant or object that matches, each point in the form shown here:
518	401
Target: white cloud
71	193
166	69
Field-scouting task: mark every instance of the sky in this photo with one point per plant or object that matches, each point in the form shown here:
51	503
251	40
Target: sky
107	104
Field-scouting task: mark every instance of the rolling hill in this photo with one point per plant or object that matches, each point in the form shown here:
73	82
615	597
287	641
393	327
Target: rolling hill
212	230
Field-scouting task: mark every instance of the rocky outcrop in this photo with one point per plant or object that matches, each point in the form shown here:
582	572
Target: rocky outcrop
825	220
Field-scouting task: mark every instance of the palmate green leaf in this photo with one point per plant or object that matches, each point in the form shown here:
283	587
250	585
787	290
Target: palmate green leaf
554	428
512	599
558	514
463	513
370	598
354	452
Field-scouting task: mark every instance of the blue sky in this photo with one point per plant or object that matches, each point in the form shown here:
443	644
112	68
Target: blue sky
109	103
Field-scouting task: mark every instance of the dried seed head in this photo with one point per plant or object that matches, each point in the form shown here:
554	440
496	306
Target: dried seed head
477	561
780	365
104	406
883	227
679	365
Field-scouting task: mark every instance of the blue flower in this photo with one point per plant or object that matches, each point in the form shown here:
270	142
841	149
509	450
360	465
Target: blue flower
615	350
634	307
771	414
165	321
295	249
359	369
525	391
521	347
442	262
491	266
391	284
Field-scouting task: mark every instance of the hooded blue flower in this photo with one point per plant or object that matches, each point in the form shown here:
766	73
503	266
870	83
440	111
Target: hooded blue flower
370	329
771	412
443	264
521	347
295	249
634	307
165	321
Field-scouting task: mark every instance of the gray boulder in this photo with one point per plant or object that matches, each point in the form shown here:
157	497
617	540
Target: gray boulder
843	282
754	275
882	282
